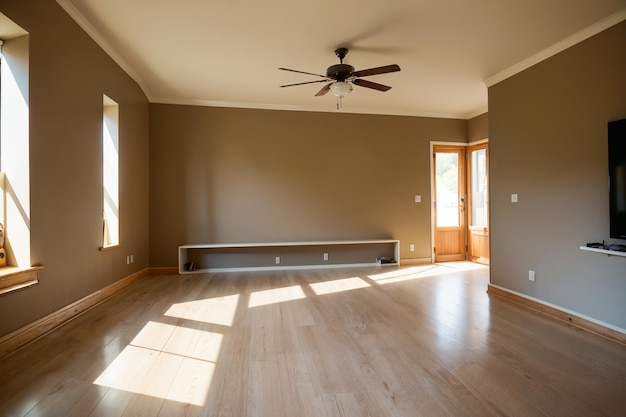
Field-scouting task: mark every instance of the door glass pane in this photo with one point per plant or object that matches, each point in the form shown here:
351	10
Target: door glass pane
447	183
479	188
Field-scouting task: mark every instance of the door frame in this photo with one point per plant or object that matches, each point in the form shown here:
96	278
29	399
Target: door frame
433	225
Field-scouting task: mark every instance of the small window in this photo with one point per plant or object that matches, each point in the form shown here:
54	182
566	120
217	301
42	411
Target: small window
110	172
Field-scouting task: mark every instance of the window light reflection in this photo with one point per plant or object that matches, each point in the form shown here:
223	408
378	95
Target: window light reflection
404	274
276	295
345	284
165	361
423	271
219	310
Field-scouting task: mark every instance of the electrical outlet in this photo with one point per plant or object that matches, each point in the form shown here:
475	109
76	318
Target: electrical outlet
531	275
418	198
325	256
514	198
277	260
412	247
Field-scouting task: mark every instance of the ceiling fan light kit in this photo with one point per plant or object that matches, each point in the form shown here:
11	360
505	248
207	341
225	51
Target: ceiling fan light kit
339	78
340	88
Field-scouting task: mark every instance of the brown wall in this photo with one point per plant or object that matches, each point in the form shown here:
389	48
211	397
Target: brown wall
69	74
548	143
478	128
239	175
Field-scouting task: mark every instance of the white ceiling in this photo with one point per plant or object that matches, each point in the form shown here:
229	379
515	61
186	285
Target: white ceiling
227	53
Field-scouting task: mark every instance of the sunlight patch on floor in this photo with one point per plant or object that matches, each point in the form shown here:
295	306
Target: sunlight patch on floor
423	271
403	274
220	310
339	285
166	361
276	295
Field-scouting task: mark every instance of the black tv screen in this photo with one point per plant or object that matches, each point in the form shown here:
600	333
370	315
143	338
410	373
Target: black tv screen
617	178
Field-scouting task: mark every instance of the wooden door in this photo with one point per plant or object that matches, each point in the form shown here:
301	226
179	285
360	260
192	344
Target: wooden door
449	203
478	204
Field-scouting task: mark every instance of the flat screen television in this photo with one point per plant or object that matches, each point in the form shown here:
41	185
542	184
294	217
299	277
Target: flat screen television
617	179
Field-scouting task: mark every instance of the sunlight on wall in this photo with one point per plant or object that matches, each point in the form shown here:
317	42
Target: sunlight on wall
14	152
276	295
166	361
220	310
339	285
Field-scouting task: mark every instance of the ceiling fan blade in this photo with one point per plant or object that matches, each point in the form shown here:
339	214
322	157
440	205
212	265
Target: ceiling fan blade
369	84
306	82
324	90
302	72
375	71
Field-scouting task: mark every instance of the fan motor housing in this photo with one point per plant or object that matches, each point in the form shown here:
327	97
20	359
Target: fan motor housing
339	72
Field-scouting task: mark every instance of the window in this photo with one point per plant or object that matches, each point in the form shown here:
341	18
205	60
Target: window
14	157
110	172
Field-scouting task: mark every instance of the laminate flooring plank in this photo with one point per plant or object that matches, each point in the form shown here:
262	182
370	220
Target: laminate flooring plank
68	398
501	393
112	404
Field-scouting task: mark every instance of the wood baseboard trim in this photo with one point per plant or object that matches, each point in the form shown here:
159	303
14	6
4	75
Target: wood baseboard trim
33	331
164	270
558	314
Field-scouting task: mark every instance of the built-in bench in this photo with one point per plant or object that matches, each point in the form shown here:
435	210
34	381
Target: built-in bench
233	257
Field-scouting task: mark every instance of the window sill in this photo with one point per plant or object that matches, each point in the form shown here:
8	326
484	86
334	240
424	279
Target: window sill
13	278
105	248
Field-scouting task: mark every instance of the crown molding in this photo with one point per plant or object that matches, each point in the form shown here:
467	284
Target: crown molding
330	109
566	43
475	113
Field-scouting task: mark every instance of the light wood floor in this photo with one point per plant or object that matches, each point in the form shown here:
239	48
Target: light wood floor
415	341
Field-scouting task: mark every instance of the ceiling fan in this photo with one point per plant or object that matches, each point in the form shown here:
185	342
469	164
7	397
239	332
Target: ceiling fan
339	78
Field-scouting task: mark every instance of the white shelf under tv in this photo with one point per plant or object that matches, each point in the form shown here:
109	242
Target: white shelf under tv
604	251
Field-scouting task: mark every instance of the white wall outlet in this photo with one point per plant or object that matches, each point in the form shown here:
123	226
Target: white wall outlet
325	256
418	198
412	247
514	198
277	260
531	275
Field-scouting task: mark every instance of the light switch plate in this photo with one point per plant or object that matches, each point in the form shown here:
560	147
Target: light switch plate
513	198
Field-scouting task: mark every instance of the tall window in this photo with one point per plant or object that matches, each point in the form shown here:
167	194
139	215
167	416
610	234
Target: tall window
110	172
14	143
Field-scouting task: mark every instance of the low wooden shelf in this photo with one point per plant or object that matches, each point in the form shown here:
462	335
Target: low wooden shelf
287	255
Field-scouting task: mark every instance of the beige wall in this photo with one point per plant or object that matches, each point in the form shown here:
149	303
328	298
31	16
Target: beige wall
548	143
69	74
239	175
